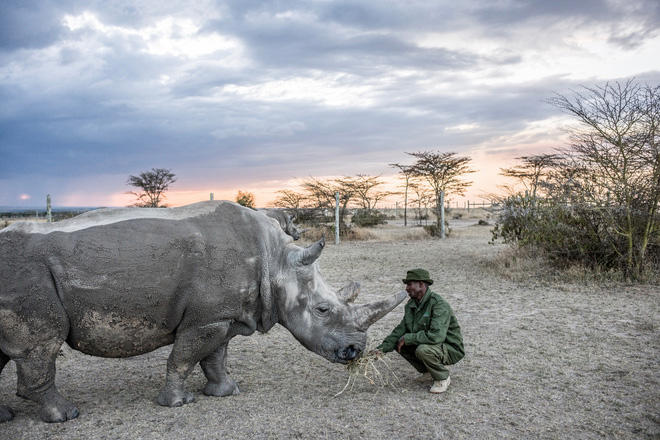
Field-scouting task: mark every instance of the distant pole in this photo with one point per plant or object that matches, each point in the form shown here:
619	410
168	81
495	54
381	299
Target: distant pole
49	215
337	217
211	196
442	214
468	206
396	209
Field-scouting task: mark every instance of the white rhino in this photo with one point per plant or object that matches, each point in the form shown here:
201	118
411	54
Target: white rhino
122	282
285	221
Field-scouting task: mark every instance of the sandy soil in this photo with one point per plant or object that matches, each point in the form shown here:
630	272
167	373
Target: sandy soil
543	361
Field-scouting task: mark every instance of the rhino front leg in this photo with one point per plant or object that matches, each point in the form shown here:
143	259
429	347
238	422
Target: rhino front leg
6	413
36	381
215	369
190	347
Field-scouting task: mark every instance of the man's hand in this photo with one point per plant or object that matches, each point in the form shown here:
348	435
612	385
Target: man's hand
399	344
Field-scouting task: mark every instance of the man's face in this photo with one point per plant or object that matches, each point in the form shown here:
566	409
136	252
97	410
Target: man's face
416	289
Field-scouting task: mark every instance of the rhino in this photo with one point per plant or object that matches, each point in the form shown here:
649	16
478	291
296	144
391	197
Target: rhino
285	221
123	282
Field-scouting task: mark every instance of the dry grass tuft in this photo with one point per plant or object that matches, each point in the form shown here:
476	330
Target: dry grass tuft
371	367
522	265
397	233
377	233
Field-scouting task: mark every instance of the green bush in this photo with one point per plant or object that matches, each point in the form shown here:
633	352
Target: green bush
366	218
568	234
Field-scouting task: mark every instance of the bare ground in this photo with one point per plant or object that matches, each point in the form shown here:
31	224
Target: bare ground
544	360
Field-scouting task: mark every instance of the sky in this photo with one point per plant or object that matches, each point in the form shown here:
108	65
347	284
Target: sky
257	95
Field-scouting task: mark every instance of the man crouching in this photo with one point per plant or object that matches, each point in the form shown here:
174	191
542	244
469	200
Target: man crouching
428	336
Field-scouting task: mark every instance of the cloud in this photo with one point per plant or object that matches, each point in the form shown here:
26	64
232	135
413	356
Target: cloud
248	91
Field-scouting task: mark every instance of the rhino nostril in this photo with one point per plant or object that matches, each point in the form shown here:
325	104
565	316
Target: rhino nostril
351	352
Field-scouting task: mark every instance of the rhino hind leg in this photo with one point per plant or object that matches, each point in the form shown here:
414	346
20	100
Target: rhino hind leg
6	413
215	369
191	345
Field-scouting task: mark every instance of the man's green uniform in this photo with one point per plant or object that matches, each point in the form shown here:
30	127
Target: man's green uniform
432	337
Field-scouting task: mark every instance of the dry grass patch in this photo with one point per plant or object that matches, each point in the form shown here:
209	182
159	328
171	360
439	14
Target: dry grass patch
377	233
371	367
522	265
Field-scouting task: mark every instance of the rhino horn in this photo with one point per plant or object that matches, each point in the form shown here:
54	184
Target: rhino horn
309	254
349	292
367	314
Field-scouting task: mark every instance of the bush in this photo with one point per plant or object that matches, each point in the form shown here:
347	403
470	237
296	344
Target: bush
434	231
366	218
313	216
569	234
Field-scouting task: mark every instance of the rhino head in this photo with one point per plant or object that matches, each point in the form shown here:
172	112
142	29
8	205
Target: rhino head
321	319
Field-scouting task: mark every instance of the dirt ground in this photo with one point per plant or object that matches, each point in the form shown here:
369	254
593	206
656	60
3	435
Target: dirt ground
544	360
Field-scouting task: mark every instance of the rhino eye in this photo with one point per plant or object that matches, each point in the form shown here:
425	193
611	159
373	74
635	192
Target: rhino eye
322	309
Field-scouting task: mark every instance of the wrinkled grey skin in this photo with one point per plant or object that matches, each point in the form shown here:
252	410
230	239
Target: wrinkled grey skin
285	221
122	282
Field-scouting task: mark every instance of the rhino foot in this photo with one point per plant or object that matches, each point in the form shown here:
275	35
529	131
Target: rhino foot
175	398
6	414
226	388
58	409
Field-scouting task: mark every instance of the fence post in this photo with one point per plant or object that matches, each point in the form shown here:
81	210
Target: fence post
49	215
442	214
337	217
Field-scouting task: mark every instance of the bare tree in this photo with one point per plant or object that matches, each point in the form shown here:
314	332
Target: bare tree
290	200
153	184
443	172
245	199
346	188
531	171
615	145
423	197
406	171
321	194
363	186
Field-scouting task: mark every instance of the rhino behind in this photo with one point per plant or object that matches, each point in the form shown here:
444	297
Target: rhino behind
122	282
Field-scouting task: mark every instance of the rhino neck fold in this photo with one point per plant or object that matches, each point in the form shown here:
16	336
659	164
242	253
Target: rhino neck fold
269	314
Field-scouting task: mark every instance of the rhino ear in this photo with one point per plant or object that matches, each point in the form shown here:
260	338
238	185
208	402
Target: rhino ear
309	254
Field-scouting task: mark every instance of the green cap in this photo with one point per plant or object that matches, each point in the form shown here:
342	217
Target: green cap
418	275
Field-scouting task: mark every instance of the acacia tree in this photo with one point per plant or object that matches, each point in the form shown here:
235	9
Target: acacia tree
363	187
290	200
406	171
531	171
245	199
153	184
443	172
321	194
615	145
345	187
423	197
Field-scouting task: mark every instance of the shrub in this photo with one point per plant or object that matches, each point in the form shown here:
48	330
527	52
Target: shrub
569	234
434	231
366	218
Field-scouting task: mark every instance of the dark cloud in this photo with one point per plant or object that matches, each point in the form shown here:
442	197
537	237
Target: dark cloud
29	24
97	103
